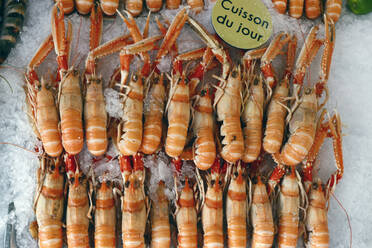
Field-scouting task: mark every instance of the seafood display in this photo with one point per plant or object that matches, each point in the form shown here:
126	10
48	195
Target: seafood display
240	144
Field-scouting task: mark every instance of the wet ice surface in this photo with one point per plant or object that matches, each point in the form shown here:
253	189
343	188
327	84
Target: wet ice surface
350	93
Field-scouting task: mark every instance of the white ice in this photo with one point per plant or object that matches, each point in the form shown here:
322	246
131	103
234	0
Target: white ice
350	85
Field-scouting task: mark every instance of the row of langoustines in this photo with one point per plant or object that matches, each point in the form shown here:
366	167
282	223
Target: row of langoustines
135	7
228	217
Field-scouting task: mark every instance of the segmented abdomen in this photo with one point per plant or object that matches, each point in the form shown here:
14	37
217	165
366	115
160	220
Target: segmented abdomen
13	15
84	6
176	136
154	5
109	7
280	5
317	220
160	233
133	223
151	133
50	137
77	221
213	237
205	148
71	109
187	229
312	8
274	131
96	135
49	211
131	138
196	5
50	233
233	144
105	218
72	131
187	235
132	134
160	228
236	232
288	231
173	4
178	121
252	121
47	123
152	129
236	215
186	218
95	117
275	124
133	239
262	219
134	6
68	6
212	219
296	8
333	9
298	145
319	237
252	139
289	212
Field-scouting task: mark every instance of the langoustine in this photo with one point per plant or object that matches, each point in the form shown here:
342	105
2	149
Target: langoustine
302	123
252	118
212	207
153	114
261	216
131	128
42	103
203	148
133	202
316	221
236	208
186	216
69	98
49	202
227	100
178	113
155	97
130	134
159	216
78	206
228	106
289	210
105	216
276	111
178	105
95	116
204	145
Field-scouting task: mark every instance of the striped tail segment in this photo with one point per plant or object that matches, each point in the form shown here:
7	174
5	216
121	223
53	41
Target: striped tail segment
14	13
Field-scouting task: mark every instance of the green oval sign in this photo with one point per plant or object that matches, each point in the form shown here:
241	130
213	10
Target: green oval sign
242	23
